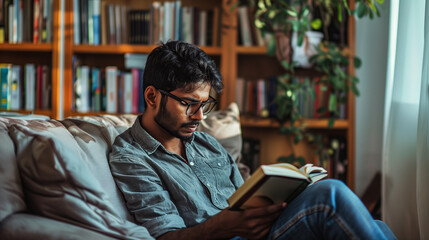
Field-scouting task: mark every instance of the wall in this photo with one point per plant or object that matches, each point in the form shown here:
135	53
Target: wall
371	47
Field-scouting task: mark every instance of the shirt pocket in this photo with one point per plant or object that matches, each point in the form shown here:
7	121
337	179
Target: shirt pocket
222	169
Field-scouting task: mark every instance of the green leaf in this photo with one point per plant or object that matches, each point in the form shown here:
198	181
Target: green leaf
332	102
360	10
346	6
271	14
340	13
285	64
357	62
380	1
234	6
291	12
261	5
271	49
300	38
316	24
331	122
377	11
321	110
355	90
268	2
298	138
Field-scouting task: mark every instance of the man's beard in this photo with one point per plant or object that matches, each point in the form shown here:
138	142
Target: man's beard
165	121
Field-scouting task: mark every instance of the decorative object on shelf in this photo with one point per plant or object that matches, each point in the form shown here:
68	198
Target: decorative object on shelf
292	23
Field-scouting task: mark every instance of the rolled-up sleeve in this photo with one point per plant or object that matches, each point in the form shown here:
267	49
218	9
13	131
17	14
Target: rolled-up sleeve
146	198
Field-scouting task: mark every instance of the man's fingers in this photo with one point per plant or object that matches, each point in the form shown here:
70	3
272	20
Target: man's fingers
264	211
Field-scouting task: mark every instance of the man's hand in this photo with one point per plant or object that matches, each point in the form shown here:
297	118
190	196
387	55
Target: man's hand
252	223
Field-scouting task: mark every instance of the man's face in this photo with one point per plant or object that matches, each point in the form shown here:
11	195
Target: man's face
172	117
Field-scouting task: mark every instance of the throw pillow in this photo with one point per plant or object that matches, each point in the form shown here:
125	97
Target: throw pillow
59	182
11	194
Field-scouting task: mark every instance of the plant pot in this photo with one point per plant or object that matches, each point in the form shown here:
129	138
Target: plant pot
302	54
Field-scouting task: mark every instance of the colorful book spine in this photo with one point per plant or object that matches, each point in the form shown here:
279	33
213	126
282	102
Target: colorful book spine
111	89
30	86
127	93
5	79
15	88
96	22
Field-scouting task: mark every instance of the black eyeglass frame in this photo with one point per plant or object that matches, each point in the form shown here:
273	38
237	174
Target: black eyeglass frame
188	104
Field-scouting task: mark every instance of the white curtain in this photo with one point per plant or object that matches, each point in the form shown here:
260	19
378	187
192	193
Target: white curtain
405	194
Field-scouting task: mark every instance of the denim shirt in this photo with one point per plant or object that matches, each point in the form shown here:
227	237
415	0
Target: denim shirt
161	190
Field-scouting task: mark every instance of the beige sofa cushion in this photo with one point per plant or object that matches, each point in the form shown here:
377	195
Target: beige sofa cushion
59	181
11	194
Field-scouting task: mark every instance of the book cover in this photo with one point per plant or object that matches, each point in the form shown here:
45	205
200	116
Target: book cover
128	93
2	22
15	88
135	90
245	32
84	21
274	183
30	81
154	23
96	22
46	87
76	22
187	22
90	5
202	28
118	24
178	20
239	93
111	89
95	90
5	79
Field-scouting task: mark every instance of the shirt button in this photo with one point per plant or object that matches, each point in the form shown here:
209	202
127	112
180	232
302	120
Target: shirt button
208	184
192	163
219	164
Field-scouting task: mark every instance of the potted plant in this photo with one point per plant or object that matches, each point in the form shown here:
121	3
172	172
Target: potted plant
292	23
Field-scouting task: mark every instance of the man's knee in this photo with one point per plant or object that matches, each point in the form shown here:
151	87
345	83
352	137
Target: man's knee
332	188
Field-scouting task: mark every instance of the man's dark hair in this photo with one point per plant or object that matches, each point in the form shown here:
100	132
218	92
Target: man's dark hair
177	64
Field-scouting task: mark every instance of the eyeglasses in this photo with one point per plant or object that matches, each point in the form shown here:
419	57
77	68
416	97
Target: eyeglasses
193	107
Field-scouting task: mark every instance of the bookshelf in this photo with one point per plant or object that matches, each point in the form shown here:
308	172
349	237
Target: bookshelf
251	63
106	54
40	53
232	59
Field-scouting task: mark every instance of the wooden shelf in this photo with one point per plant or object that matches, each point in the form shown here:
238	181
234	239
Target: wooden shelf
309	123
129	48
30	47
251	50
46	112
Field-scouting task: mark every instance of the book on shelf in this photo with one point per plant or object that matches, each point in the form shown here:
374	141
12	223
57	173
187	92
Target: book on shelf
26	21
30	85
244	26
23	87
281	182
5	80
15	88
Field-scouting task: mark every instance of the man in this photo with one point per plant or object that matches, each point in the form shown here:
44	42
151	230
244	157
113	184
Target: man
176	181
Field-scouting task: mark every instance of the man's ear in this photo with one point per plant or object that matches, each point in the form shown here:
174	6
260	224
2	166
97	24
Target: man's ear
150	95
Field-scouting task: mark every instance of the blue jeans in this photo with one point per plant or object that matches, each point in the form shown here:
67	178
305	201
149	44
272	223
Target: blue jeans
328	210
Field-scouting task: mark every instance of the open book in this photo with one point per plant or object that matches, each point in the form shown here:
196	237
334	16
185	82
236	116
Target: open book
275	183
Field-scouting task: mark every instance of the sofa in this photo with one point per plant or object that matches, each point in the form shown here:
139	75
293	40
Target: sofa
55	180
